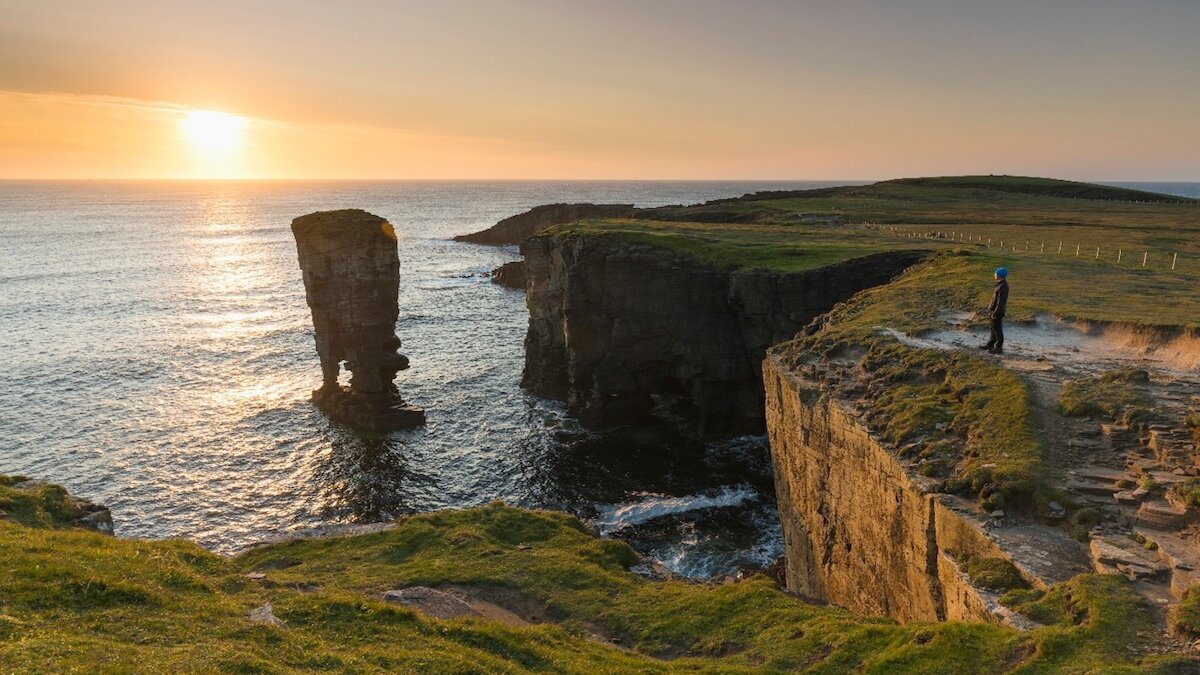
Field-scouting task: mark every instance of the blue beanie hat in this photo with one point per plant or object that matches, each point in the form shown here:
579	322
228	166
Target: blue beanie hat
1002	272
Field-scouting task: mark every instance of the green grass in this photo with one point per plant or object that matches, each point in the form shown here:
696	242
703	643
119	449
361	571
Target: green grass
46	505
73	600
998	207
1108	395
994	574
929	395
776	247
1188	492
1185	618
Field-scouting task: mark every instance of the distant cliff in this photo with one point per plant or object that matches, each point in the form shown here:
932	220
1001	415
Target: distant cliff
619	329
518	228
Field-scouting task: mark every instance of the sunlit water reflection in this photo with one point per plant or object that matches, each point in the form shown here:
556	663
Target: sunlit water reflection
156	355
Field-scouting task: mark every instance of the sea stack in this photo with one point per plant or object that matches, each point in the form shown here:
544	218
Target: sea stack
352	282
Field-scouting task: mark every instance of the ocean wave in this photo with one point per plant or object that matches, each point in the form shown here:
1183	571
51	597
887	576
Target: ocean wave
616	517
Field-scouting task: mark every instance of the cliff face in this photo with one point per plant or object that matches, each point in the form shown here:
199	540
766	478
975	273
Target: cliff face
859	530
518	228
351	281
617	329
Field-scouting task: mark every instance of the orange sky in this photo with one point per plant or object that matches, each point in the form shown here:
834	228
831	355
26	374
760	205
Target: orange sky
822	89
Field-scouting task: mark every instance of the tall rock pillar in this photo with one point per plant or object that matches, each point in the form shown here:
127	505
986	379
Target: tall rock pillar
352	281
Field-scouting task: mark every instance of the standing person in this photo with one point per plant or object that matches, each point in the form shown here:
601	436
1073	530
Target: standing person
996	312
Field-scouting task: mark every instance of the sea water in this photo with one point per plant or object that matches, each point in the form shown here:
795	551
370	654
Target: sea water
156	355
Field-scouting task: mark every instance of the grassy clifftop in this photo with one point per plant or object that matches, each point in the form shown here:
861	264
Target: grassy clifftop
79	601
921	392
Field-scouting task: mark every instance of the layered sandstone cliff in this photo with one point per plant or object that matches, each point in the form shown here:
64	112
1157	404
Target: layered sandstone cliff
620	330
864	532
351	280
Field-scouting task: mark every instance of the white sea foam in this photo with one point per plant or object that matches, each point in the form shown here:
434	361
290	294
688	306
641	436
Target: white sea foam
616	517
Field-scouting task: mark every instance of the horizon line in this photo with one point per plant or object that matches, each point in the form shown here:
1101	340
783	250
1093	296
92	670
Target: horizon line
567	180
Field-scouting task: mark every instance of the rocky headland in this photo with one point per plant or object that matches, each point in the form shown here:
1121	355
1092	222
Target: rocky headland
918	481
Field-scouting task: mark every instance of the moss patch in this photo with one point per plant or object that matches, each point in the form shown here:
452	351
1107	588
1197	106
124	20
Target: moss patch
994	574
1108	395
1186	616
44	505
1187	492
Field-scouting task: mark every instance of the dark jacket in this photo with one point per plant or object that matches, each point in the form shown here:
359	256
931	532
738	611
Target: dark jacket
999	300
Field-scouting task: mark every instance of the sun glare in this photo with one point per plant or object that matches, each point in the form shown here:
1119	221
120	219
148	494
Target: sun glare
213	132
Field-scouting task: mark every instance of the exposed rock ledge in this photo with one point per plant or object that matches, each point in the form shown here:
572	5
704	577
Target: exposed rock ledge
510	275
69	510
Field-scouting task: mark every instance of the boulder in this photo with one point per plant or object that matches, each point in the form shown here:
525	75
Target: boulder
510	275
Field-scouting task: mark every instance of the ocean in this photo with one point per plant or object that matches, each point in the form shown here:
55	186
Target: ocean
156	356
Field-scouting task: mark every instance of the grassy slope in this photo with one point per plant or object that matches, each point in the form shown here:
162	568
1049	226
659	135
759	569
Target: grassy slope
75	600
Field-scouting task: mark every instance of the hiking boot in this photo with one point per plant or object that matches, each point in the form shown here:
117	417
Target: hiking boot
996	350
986	347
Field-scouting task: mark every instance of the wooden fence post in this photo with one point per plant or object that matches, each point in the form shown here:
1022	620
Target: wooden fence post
1173	260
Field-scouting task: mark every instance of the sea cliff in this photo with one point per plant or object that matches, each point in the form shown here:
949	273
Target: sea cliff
619	329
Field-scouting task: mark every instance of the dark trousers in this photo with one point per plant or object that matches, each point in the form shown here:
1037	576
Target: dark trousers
997	341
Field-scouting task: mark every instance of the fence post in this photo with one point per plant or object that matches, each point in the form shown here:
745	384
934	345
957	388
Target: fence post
1076	250
1144	257
1118	256
1043	247
1097	253
1173	260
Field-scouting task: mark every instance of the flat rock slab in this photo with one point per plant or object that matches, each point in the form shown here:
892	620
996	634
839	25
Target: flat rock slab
1028	366
1048	553
1159	514
1122	555
265	615
432	602
1100	474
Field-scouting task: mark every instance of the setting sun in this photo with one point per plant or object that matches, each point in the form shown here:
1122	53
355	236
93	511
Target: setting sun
213	132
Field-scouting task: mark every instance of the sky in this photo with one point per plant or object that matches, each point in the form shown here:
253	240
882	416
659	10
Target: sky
612	89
